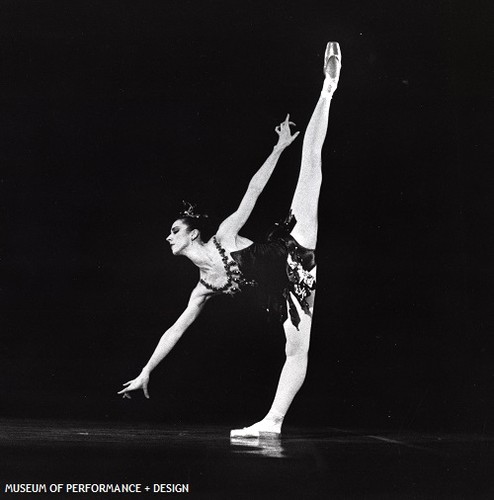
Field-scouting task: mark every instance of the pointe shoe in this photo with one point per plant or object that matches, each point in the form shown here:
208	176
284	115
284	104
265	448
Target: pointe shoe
332	66
256	431
249	433
246	432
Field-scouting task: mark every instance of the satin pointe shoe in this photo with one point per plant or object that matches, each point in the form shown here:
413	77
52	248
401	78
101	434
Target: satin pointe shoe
332	66
253	432
263	428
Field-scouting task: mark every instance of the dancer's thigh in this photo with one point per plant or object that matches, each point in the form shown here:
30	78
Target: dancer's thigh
297	341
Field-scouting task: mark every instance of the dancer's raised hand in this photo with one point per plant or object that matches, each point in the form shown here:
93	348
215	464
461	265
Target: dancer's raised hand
285	136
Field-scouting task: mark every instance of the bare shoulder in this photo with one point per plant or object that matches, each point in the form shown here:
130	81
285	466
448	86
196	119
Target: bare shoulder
224	235
233	242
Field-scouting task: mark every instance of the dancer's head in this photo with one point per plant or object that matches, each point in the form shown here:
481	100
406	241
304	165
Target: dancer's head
190	228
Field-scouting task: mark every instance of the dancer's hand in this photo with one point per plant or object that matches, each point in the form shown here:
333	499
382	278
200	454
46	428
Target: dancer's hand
285	137
140	382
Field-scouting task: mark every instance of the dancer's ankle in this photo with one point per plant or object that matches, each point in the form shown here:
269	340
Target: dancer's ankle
328	88
275	417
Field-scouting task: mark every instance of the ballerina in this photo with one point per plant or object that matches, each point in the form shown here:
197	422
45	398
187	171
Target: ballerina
283	268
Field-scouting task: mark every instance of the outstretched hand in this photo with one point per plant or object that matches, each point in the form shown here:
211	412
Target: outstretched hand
140	382
285	137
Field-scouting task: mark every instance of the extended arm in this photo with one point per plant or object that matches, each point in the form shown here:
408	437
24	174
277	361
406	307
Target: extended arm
168	340
232	225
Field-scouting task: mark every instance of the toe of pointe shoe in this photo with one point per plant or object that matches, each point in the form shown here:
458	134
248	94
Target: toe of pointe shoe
332	60
244	433
249	432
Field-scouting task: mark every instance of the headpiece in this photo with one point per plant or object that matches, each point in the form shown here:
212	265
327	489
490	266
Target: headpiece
189	211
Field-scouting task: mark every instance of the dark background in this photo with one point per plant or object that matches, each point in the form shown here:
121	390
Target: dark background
113	112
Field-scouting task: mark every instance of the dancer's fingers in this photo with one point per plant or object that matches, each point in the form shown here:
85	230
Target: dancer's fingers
288	123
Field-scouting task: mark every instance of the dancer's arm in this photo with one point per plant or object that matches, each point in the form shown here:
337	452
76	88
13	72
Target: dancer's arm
235	222
168	340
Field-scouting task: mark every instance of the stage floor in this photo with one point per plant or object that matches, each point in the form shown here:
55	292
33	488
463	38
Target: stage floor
305	463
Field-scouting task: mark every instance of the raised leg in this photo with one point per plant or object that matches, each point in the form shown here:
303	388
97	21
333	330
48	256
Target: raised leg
306	198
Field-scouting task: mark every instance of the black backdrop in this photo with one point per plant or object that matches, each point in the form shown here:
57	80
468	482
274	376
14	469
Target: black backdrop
113	112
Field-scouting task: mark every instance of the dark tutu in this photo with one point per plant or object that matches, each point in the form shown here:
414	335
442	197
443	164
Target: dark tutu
279	266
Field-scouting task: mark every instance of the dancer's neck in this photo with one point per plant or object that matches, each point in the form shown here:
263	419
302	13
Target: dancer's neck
200	254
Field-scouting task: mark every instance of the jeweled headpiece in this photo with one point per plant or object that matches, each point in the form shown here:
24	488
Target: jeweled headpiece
189	211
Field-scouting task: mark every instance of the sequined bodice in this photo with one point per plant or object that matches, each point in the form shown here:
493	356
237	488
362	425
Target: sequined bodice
234	277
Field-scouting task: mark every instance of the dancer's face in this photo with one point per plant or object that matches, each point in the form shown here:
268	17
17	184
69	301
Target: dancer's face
179	237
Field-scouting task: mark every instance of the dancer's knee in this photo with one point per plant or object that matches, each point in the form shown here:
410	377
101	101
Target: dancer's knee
311	165
297	348
312	150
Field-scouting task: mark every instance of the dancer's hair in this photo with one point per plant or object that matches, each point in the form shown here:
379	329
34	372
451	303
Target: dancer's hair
201	222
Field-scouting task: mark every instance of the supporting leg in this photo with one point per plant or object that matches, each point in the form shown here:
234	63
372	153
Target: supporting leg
292	375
